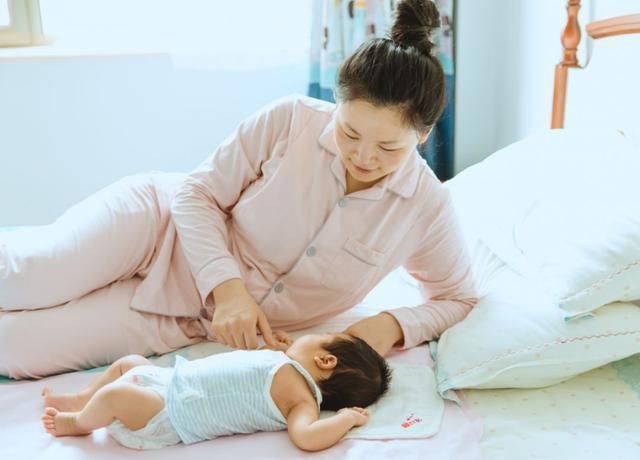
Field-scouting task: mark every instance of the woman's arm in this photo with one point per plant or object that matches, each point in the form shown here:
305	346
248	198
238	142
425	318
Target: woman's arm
441	263
309	433
203	204
202	207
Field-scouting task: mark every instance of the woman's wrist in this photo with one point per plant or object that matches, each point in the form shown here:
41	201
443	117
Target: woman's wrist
394	325
228	289
382	332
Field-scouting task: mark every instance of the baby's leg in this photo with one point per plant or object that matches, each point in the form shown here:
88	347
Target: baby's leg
73	402
133	405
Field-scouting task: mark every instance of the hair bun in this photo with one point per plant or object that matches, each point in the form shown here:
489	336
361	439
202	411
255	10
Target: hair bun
414	22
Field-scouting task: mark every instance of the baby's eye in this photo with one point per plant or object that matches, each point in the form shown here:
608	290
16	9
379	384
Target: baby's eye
350	137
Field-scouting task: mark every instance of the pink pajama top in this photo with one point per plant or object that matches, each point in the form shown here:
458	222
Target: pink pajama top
270	207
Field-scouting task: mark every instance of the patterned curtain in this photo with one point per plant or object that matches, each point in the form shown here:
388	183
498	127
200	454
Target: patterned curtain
340	26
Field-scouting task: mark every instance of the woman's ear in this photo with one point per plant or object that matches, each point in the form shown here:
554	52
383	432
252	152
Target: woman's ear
422	137
326	362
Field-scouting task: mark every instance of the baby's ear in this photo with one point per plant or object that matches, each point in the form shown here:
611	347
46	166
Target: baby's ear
326	362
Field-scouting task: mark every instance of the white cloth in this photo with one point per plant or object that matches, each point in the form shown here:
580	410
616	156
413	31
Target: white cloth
412	407
158	432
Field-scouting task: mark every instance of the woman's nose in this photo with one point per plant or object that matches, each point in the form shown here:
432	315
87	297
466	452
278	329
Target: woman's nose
364	156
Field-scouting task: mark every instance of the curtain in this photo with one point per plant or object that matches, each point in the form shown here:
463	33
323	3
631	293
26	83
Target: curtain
340	26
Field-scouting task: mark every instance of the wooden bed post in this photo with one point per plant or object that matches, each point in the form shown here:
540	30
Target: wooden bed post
570	41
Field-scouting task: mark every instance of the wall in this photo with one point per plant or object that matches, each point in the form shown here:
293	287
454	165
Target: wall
606	94
71	126
110	97
506	54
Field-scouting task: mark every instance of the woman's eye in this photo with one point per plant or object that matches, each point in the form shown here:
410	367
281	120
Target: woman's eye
388	150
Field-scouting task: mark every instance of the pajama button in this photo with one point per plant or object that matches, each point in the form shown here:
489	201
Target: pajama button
342	203
278	288
311	251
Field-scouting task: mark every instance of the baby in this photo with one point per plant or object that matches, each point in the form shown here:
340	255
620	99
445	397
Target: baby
145	406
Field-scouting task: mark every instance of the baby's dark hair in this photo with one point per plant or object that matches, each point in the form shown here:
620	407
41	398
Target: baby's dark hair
400	70
360	377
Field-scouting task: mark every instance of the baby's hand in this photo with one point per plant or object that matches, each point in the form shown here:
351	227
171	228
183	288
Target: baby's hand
283	337
360	415
283	341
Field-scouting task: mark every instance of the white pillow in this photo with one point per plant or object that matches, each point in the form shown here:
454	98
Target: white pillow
516	337
586	248
561	208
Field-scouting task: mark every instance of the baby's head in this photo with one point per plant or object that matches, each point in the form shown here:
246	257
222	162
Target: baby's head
347	370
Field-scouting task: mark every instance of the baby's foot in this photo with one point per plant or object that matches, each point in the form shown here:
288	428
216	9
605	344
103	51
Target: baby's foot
72	402
61	423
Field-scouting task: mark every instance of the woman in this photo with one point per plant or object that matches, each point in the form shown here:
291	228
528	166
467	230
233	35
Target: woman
292	220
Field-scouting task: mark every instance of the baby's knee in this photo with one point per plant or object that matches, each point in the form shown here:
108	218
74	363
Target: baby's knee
131	361
121	397
133	405
115	393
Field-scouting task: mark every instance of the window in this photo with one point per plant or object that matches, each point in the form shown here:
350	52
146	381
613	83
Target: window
228	34
20	23
4	13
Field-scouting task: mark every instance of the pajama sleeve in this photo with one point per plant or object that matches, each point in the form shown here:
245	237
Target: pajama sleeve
202	206
442	265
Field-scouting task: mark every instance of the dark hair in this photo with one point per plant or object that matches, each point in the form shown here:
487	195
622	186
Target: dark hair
400	70
360	377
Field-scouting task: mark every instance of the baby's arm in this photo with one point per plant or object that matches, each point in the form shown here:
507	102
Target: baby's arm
309	433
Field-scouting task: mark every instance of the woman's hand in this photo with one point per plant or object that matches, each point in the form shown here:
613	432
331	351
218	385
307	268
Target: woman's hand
360	416
237	317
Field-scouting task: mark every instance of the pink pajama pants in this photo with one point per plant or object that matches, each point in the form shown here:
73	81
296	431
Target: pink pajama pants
65	288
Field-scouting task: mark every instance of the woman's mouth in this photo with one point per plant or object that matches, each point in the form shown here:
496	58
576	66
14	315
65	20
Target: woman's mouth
361	170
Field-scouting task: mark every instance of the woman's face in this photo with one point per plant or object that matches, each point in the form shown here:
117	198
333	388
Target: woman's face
373	141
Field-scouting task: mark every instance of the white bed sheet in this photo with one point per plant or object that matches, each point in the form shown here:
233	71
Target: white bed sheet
592	416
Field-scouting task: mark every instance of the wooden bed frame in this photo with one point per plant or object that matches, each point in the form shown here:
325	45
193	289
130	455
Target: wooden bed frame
620	25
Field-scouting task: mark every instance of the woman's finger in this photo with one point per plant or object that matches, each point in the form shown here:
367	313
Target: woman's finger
218	333
251	339
227	334
265	329
222	337
237	335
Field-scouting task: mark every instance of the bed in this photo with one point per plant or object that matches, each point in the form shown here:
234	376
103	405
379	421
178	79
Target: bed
22	437
548	403
539	369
